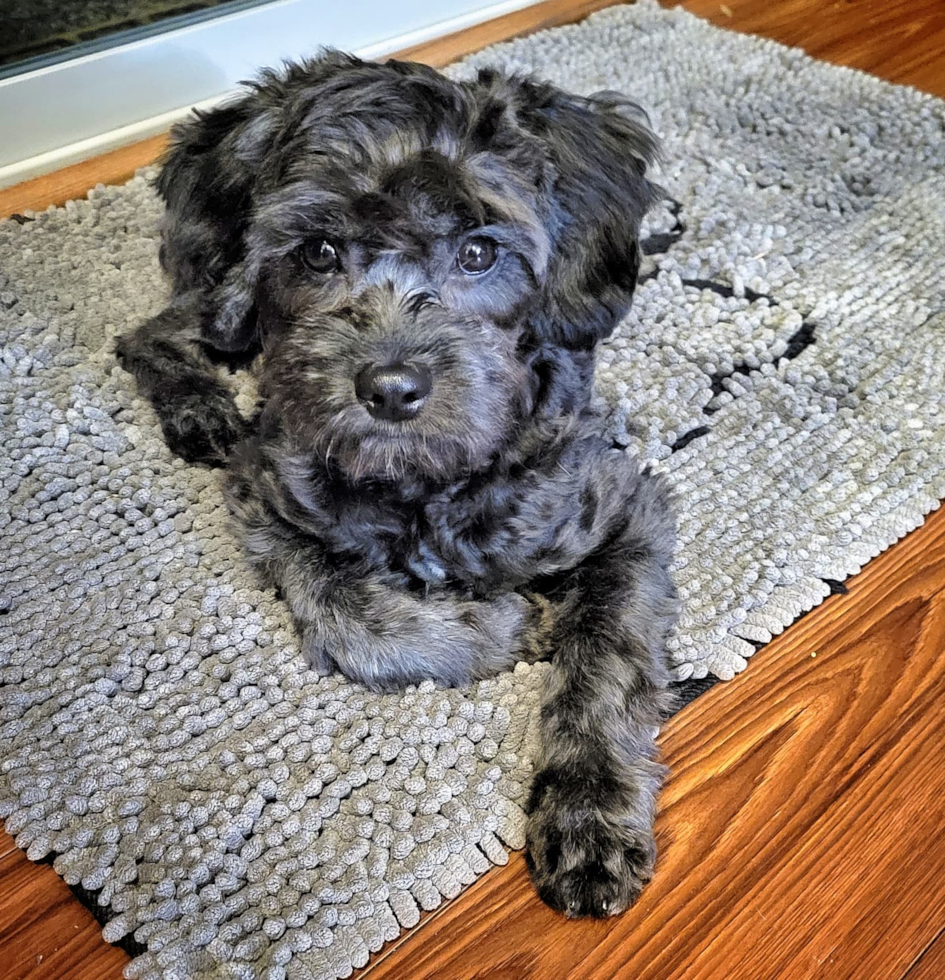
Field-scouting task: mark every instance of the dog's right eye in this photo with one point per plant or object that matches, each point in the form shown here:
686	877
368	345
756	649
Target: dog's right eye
319	255
476	256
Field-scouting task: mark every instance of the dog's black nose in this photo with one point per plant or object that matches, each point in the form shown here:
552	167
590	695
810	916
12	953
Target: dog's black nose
394	393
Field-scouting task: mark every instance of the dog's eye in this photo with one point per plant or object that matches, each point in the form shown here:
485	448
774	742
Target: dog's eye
319	255
476	256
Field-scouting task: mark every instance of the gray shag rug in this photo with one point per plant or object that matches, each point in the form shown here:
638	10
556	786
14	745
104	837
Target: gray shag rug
784	364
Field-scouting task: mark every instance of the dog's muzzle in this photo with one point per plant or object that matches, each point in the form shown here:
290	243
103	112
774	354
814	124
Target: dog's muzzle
394	392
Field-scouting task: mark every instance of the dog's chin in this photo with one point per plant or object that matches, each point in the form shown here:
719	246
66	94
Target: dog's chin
404	452
403	457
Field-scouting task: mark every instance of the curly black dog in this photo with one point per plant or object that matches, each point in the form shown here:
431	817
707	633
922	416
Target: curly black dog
424	269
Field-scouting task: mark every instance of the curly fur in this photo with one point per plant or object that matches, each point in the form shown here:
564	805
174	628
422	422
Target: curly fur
496	524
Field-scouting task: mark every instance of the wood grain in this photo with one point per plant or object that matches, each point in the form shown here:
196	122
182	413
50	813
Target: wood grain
7	844
801	827
119	165
45	933
899	40
931	964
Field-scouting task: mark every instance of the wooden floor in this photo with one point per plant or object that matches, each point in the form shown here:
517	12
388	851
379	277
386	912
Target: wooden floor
803	828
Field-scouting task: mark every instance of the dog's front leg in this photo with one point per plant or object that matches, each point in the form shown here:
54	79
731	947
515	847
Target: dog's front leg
197	412
387	640
365	621
386	637
593	801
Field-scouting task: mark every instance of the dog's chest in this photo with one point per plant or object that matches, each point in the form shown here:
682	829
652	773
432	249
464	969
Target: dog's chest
407	542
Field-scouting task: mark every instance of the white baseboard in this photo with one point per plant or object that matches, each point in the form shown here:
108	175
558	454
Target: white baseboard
79	108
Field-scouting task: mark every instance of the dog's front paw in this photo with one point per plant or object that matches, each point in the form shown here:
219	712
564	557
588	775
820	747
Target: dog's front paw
584	861
202	427
314	650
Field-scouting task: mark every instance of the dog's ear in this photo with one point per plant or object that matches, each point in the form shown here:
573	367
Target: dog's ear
599	149
207	183
216	163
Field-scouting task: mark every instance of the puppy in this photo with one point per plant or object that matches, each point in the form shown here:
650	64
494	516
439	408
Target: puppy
424	268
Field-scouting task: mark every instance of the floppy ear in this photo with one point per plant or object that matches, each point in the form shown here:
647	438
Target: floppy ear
207	184
599	149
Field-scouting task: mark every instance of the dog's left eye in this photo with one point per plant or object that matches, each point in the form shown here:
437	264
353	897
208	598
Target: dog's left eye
476	256
319	255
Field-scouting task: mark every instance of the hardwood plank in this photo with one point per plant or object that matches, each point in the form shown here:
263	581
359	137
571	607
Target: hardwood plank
119	165
115	167
45	933
801	824
899	40
931	964
7	843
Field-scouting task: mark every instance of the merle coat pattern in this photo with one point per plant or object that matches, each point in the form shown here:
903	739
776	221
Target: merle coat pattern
422	270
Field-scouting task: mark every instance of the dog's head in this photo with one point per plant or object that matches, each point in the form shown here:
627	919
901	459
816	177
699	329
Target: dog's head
425	263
